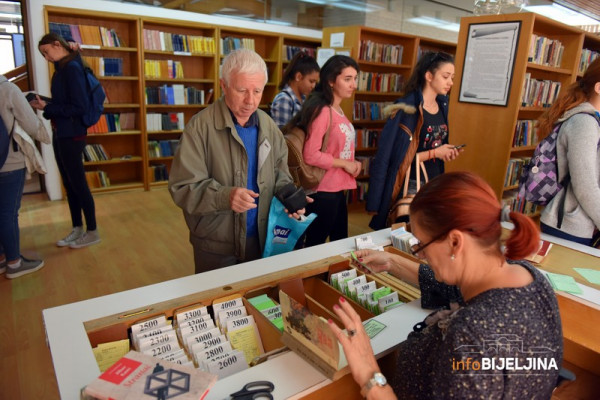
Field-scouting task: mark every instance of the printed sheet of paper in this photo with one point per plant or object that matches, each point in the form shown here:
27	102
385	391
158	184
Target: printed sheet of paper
565	283
591	275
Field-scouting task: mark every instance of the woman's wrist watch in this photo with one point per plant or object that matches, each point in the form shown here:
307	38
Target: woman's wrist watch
377	380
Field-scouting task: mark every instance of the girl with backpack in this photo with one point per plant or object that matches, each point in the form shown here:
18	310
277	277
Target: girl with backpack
322	115
578	156
69	103
299	79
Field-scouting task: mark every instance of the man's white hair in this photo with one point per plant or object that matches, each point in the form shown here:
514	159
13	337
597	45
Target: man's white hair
243	61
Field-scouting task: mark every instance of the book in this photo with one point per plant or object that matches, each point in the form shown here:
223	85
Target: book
139	376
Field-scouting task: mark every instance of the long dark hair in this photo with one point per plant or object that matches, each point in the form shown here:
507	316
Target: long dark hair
323	94
52	37
301	62
429	62
577	93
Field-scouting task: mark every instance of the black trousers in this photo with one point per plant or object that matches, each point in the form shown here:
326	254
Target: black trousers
68	153
332	218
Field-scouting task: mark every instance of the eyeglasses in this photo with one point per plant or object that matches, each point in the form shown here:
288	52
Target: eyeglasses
417	248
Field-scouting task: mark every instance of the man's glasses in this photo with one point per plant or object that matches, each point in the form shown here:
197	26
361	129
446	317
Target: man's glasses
417	248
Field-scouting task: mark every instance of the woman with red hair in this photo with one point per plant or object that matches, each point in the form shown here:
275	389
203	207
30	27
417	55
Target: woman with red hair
482	297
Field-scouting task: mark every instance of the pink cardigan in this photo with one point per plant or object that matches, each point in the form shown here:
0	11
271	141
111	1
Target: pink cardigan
340	145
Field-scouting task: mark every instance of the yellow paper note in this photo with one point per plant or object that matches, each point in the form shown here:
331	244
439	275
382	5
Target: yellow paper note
109	353
246	340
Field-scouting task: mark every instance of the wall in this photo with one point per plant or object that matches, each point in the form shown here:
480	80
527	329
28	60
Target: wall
40	65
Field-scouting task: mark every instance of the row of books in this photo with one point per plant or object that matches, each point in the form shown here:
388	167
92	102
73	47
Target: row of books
163	69
97	179
539	93
515	203
95	152
380	52
176	95
514	170
365	161
158	173
105	66
372	111
380	82
290	51
587	56
358	194
230	43
165	122
545	51
525	133
162	148
166	41
87	34
366	138
114	123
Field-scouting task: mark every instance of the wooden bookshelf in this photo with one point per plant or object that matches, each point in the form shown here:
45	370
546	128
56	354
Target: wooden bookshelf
412	47
489	130
123	92
128	93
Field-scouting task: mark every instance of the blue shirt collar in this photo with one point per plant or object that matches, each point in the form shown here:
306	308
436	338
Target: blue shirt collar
252	121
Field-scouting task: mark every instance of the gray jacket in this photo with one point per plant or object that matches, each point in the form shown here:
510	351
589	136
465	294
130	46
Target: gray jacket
209	163
578	154
14	107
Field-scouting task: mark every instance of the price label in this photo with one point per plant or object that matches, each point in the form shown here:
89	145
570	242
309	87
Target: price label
192	339
149	325
228	366
191	314
153	341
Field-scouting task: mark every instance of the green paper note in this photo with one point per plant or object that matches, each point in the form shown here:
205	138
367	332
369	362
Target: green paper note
373	327
564	282
590	274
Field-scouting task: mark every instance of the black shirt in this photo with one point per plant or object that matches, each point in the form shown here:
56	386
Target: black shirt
434	133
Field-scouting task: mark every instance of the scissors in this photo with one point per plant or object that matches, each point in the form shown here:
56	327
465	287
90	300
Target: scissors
254	390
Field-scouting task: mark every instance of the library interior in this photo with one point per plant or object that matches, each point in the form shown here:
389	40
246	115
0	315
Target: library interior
197	271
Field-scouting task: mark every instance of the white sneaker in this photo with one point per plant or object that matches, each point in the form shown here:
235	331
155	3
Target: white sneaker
87	239
75	234
26	266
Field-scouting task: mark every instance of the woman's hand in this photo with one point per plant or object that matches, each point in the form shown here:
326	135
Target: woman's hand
356	343
446	152
352	167
378	261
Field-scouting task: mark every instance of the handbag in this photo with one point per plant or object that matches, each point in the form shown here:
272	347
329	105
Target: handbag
401	206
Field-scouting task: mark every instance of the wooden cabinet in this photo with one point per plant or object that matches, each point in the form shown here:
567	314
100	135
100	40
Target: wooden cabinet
489	131
114	37
386	60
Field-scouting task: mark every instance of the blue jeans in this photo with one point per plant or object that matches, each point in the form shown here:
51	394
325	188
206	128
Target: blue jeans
11	191
560	234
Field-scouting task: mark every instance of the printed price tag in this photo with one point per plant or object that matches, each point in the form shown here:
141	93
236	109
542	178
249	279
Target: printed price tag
213	351
203	326
387	300
228	366
227	305
226	315
153	341
201	346
196	321
162	349
200	337
149	325
147	334
191	314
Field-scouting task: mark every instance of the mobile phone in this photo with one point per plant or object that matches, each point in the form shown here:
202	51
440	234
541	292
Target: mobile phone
460	146
360	263
31	96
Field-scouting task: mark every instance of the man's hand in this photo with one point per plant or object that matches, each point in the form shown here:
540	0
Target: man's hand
301	211
242	199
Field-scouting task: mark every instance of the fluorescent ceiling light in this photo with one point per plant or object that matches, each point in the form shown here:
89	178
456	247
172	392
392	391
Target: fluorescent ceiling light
438	23
353	5
563	14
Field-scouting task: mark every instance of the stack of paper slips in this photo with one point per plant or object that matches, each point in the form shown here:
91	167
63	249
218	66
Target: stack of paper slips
269	308
402	239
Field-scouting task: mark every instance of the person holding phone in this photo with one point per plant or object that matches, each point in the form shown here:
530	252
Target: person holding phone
417	124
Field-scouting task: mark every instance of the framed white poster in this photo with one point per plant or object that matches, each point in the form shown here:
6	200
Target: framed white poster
489	62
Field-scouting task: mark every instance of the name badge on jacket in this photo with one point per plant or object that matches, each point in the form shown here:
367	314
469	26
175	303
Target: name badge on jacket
263	152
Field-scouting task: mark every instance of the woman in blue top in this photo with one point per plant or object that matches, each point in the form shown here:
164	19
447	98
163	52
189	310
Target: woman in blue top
69	103
418	123
299	79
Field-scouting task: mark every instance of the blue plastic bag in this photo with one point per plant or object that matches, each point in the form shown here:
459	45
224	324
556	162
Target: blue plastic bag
282	231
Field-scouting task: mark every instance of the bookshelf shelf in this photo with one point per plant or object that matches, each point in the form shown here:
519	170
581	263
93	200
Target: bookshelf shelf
370	93
161	158
121	133
555	70
171	106
174	132
385	65
115	161
178	54
121	105
108	48
118	78
180	80
522	149
117	187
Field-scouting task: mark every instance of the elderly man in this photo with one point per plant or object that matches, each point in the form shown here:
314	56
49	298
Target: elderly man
231	160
